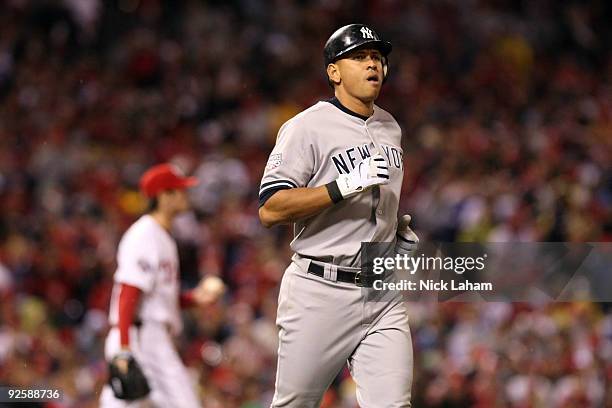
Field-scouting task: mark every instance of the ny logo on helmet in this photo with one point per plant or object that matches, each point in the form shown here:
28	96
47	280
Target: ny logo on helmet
367	33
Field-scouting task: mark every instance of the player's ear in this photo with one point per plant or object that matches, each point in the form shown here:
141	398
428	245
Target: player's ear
333	73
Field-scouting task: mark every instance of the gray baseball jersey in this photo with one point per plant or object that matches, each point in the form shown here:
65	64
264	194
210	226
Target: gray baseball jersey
324	323
311	150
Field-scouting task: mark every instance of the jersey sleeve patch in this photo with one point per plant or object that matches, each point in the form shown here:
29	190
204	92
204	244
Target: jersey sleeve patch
144	265
274	161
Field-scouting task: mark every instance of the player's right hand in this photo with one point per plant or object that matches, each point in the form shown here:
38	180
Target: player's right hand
209	290
407	241
372	171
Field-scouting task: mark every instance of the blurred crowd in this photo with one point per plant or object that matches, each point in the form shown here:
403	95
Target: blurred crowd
506	108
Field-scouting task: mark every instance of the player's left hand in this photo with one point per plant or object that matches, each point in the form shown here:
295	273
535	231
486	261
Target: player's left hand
407	241
208	291
126	378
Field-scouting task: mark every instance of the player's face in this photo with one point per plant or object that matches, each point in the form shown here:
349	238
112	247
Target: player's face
174	201
361	74
181	201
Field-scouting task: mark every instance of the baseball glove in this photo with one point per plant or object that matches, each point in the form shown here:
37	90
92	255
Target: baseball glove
126	378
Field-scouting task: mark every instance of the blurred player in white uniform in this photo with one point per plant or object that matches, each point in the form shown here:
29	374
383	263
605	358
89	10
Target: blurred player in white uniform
146	298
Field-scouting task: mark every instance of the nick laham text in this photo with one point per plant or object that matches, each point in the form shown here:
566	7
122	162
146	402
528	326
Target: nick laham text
433	285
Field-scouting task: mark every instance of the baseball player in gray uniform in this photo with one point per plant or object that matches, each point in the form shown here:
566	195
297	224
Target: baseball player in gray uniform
336	173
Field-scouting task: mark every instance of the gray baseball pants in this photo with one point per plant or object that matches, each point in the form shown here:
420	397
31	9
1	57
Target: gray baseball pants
323	324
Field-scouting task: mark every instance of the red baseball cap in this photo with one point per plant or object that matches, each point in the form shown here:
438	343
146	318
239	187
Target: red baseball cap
164	177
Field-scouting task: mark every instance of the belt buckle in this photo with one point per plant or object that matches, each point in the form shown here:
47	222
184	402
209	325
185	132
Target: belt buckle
365	281
358	281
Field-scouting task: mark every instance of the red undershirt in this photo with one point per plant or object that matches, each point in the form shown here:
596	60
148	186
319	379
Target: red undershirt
128	300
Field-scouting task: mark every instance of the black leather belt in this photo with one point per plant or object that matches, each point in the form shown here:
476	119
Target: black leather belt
343	275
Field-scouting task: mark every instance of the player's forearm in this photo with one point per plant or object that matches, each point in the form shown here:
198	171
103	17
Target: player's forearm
291	205
128	299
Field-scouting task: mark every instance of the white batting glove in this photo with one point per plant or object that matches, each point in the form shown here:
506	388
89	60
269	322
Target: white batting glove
372	171
406	241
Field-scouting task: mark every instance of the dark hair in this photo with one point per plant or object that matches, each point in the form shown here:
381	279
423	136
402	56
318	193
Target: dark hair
152	205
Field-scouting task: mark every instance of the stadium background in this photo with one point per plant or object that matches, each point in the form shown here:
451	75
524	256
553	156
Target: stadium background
506	108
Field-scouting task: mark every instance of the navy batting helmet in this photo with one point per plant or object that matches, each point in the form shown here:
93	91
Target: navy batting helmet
352	37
